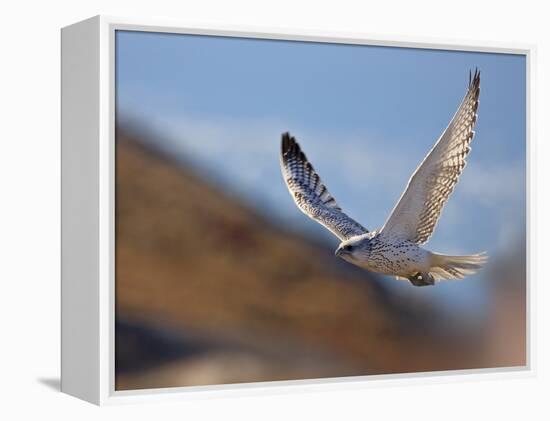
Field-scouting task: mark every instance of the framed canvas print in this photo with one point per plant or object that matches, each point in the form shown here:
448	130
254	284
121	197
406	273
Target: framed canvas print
246	210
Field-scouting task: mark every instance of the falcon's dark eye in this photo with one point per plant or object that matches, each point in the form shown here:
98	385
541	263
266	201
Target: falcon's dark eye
347	247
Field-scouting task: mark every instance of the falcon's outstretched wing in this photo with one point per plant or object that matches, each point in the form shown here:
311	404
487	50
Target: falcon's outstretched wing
311	195
416	214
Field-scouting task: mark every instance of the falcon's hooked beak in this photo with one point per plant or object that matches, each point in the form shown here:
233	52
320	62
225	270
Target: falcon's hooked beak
340	252
345	252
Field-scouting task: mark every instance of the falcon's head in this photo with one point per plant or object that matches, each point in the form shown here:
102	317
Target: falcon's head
356	250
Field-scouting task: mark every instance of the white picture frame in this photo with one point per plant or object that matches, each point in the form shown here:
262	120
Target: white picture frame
88	211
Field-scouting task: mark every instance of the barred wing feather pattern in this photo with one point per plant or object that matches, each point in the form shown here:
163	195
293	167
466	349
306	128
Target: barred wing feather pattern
416	214
310	194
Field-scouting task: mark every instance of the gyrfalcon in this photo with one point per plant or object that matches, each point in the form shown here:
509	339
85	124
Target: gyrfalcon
395	248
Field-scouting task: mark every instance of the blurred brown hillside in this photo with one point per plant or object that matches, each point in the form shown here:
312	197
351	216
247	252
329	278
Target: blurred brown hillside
209	292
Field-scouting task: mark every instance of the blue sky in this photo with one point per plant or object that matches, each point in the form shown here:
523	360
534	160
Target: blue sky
365	116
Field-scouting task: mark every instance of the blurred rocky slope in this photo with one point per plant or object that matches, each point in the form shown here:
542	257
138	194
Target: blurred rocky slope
207	292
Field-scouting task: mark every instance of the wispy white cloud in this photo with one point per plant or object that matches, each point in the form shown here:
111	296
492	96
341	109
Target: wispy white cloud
363	170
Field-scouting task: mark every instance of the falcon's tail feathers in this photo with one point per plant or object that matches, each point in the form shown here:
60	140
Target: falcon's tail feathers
456	267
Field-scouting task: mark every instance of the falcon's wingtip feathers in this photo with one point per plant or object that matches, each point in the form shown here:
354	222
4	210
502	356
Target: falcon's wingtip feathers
289	143
473	82
287	138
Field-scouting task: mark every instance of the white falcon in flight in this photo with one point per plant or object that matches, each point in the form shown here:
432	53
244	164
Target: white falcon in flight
395	248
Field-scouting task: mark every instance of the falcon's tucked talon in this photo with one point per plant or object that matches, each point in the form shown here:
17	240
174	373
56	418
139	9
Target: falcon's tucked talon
421	279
